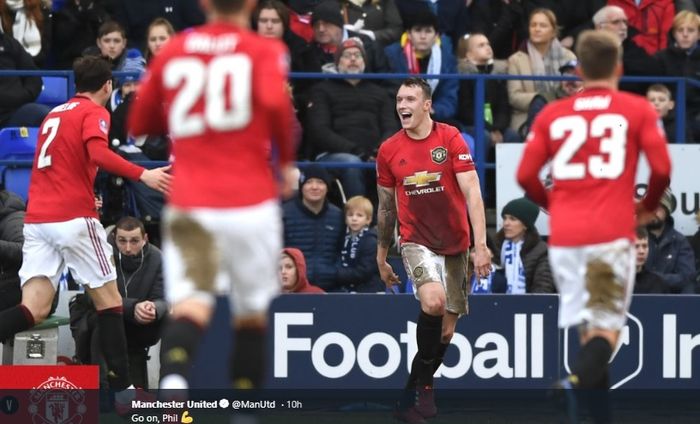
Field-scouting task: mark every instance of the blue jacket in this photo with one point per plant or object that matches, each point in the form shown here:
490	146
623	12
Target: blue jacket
445	95
358	270
672	258
319	237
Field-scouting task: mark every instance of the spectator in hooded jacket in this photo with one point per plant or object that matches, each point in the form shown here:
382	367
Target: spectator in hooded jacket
17	107
11	240
293	273
522	253
358	270
315	226
670	254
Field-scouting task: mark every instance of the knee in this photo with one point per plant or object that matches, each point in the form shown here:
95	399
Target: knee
39	312
434	305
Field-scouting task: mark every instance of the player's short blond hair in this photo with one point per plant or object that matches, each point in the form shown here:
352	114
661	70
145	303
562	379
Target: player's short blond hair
359	203
598	53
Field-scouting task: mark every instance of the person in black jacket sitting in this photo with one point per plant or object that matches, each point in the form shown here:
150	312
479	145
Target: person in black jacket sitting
646	281
358	270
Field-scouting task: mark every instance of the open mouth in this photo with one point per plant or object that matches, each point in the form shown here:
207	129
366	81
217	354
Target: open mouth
405	115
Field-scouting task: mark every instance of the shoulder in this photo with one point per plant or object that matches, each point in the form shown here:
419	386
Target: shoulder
568	54
447	132
518	57
390	143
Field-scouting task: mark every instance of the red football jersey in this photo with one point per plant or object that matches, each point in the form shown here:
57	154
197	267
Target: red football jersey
432	210
72	144
593	140
221	93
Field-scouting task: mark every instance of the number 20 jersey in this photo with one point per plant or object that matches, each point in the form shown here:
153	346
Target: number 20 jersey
220	92
593	140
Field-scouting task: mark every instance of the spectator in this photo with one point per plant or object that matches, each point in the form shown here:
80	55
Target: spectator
682	59
651	20
670	254
111	43
503	22
476	57
358	270
635	60
75	28
293	273
660	97
11	239
378	19
423	51
158	33
271	19
541	55
29	22
136	15
522	253
347	119
646	282
315	226
140	282
126	84
452	15
18	93
328	32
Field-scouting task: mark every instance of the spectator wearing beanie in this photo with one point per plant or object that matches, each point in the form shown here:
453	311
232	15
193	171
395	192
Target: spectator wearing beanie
315	226
293	273
347	119
520	251
127	84
670	254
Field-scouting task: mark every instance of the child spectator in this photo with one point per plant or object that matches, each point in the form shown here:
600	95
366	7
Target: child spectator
660	97
159	32
358	265
293	273
111	43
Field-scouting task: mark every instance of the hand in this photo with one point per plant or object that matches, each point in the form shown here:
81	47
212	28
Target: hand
482	261
496	137
644	216
158	178
145	312
289	175
98	203
386	273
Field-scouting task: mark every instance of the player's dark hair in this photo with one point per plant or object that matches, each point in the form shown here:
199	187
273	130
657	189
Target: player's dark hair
129	223
598	53
228	6
420	83
91	73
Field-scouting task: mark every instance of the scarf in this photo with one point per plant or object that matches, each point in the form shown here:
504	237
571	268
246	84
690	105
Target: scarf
513	266
548	64
24	29
434	63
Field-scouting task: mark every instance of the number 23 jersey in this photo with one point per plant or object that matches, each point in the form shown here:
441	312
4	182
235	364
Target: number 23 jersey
221	94
593	140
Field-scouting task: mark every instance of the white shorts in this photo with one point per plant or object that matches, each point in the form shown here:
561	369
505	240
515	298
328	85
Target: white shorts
79	244
208	252
595	283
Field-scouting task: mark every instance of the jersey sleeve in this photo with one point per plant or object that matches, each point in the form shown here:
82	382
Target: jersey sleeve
384	176
146	113
654	145
462	160
270	88
535	155
94	133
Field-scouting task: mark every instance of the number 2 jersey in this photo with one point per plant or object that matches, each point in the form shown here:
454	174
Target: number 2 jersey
72	144
221	94
593	140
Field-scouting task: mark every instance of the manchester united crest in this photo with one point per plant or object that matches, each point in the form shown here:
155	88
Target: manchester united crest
438	155
57	401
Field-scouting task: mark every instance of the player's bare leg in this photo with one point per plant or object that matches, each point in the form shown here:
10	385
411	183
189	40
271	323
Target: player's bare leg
417	402
37	296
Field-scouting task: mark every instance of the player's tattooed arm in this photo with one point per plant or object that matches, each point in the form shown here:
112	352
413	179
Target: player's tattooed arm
386	216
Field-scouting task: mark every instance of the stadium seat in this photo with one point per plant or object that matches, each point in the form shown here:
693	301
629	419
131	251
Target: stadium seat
17	143
54	91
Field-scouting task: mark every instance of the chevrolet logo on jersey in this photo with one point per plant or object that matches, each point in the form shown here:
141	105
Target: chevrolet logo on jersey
422	178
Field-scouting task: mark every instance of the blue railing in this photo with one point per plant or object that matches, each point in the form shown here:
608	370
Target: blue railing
479	99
